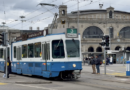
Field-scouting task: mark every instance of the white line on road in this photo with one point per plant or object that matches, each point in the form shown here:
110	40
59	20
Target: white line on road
110	70
35	87
114	70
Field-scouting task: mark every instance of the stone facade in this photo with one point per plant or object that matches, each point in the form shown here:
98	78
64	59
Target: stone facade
99	18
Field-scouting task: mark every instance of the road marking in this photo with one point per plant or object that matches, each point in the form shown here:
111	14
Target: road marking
117	74
3	83
98	86
110	70
123	79
35	87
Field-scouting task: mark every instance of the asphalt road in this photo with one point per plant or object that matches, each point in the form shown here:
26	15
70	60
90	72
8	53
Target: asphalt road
87	81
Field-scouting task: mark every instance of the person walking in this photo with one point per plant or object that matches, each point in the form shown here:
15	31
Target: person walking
97	64
93	65
89	61
111	60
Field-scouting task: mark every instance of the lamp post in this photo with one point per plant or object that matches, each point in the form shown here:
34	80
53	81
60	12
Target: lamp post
22	17
78	12
22	21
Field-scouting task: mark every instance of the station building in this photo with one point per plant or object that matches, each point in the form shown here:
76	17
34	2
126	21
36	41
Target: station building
95	23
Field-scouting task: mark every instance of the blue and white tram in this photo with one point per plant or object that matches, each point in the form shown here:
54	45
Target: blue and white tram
3	56
48	56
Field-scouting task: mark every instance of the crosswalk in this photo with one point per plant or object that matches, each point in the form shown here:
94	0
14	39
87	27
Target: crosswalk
3	83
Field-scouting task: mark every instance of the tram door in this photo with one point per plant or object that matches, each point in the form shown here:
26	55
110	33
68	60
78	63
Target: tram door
19	56
45	54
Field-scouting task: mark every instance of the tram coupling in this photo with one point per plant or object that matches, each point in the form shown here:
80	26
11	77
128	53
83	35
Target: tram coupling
69	75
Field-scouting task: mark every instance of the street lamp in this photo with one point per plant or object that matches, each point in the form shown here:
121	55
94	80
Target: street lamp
22	21
47	4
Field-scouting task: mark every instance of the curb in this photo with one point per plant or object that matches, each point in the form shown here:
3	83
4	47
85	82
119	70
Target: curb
123	76
32	82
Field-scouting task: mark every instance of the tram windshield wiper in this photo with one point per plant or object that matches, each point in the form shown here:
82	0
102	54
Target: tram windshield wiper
75	44
58	44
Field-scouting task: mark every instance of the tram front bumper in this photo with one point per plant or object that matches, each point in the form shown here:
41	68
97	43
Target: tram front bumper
77	74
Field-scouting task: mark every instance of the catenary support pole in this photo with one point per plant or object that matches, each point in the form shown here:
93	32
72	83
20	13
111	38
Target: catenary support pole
6	62
6	49
104	61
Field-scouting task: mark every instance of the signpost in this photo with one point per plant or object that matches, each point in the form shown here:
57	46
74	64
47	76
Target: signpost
71	33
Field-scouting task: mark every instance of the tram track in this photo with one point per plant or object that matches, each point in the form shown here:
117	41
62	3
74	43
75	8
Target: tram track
102	84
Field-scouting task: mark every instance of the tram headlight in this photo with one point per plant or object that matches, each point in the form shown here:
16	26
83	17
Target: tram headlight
74	65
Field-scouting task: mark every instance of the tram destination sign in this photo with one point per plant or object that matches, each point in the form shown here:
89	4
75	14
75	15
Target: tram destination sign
71	33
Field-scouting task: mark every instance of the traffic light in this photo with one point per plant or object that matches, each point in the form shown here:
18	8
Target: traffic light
107	41
3	39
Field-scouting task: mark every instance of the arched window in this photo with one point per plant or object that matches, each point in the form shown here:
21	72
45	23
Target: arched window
111	32
99	49
117	48
110	14
63	12
92	32
90	49
125	32
128	48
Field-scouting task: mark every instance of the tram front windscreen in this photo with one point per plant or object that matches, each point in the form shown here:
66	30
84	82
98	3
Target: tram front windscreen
72	48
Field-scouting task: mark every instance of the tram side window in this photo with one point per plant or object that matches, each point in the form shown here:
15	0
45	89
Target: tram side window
58	49
30	50
24	51
37	48
48	51
1	53
15	52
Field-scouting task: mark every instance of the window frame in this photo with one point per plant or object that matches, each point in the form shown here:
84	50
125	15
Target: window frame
2	53
29	50
26	50
63	48
35	50
15	55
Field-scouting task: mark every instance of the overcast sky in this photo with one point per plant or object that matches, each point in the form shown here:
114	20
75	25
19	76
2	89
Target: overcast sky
38	16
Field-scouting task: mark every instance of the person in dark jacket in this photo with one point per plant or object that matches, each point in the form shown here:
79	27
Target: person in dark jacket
8	67
97	64
93	65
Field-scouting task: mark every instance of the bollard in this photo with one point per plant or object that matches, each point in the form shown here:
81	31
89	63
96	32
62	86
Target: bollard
127	68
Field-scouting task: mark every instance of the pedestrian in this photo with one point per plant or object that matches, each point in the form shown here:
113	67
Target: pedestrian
93	65
111	60
8	67
107	61
84	61
97	64
89	61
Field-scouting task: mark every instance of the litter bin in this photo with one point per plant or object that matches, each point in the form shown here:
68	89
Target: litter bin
127	68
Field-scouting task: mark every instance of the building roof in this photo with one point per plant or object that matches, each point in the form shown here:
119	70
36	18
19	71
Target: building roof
90	11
